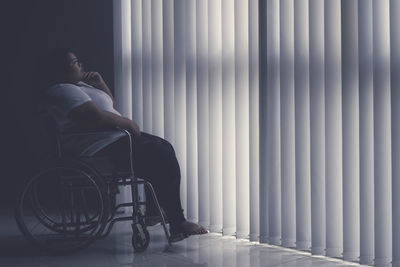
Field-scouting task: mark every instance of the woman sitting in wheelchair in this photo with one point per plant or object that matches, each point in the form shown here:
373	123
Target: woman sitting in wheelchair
80	100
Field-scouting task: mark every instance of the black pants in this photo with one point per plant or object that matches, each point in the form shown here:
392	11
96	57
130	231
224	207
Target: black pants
154	159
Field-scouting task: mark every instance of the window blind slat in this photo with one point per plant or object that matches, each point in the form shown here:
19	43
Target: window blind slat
168	69
202	111
263	192
317	127
273	130
180	101
242	118
147	70
351	148
187	15
382	134
395	85
302	129
137	62
287	123
366	133
254	120
215	112
333	126
228	122
157	71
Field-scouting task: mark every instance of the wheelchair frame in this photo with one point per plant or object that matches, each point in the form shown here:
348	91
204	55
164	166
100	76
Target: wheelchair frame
140	236
133	181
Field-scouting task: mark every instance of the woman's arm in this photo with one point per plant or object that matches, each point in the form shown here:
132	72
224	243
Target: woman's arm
94	79
89	117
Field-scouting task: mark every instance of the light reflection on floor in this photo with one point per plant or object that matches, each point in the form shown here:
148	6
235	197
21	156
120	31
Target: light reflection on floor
116	250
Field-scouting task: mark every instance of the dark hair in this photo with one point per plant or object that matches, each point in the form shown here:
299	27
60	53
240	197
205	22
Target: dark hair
56	65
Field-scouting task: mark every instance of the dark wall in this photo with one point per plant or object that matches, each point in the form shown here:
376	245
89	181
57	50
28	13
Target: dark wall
32	28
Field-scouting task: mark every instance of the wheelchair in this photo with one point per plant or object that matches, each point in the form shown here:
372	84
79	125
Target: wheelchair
71	201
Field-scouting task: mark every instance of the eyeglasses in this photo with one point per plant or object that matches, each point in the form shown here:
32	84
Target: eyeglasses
75	61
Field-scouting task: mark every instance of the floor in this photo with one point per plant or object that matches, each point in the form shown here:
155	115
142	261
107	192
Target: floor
116	250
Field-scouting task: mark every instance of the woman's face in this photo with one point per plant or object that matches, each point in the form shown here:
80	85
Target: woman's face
75	68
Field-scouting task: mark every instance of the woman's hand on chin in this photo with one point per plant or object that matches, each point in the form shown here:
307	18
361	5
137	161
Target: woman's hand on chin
93	78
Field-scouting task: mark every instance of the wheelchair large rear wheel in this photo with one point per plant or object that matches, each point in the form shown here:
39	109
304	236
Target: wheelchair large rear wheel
64	207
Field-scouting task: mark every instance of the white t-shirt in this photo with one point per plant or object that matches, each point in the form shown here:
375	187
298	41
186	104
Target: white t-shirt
62	98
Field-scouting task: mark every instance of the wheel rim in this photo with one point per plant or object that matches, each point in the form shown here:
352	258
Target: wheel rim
47	219
47	224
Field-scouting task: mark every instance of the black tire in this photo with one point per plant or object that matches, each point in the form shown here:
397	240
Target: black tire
140	238
53	236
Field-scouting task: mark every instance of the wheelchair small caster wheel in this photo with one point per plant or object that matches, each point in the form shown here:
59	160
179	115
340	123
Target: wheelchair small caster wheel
140	238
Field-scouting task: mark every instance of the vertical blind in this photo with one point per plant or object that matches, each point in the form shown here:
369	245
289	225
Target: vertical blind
284	115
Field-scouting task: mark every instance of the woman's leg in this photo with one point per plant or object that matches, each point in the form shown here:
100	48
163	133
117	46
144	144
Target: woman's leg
154	159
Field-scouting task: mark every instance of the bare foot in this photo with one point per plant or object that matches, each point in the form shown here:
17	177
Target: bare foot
191	228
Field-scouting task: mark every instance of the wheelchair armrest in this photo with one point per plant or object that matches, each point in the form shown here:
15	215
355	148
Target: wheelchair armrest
114	130
110	131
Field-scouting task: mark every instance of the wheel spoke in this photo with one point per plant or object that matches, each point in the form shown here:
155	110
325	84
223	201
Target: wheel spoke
54	213
85	207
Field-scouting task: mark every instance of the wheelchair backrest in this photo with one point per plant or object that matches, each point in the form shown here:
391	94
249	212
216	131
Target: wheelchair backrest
49	128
